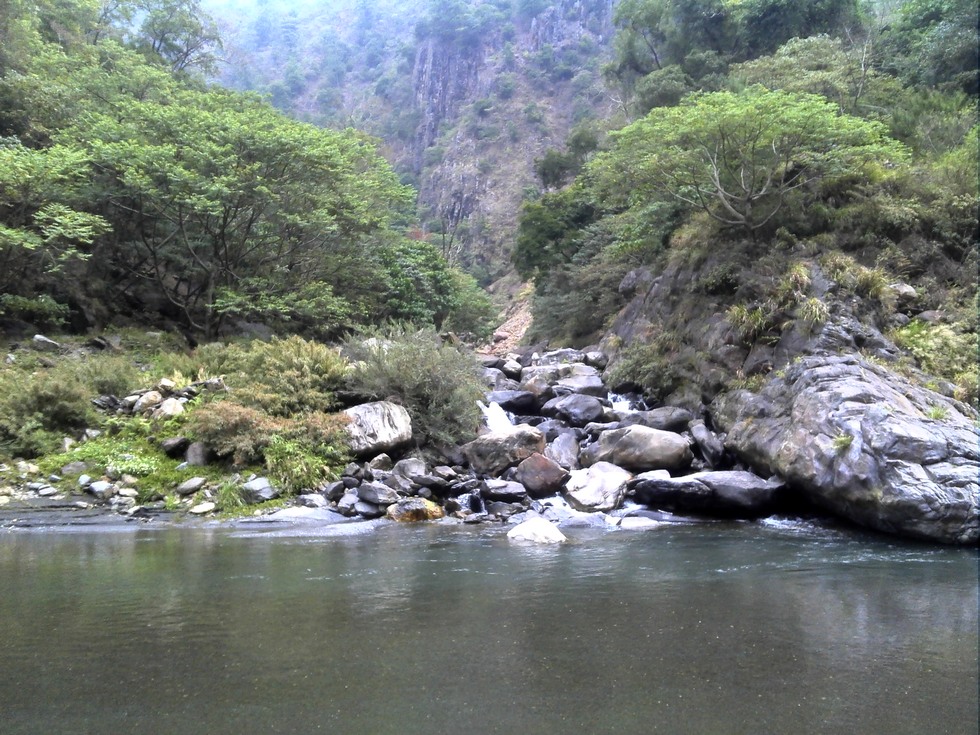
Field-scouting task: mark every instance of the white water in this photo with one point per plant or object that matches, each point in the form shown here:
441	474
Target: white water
495	417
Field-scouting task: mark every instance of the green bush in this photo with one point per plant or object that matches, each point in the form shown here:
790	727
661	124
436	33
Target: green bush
941	350
233	430
437	383
648	366
282	377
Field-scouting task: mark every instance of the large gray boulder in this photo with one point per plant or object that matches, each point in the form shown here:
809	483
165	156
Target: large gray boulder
378	427
665	418
600	488
494	452
639	448
858	440
541	476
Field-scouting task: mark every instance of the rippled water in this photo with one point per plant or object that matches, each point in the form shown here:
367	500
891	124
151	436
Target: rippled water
749	628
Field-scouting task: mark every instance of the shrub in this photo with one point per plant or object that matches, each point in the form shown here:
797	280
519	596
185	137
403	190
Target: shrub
281	377
942	351
647	366
233	430
437	383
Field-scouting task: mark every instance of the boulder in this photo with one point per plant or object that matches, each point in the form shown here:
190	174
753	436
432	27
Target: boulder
515	401
601	487
712	448
410	468
198	454
191	486
494	452
175	446
414	509
148	401
536	530
259	490
589	385
378	427
665	418
202	508
734	494
864	443
43	344
503	490
377	494
576	409
541	476
564	451
169	408
639	448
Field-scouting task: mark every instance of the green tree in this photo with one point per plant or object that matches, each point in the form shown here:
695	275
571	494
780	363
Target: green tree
738	157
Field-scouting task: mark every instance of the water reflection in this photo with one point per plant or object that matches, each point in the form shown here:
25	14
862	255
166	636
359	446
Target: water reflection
441	629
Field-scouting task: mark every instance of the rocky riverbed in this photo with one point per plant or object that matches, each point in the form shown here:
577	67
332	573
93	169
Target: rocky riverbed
558	449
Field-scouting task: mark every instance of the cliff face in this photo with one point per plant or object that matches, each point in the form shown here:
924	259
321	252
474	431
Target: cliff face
464	103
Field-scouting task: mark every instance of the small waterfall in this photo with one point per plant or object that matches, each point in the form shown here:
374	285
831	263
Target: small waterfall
496	418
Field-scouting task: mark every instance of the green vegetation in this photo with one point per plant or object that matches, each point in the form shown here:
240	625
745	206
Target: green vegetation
437	383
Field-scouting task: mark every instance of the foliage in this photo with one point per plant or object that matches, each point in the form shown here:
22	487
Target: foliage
941	350
740	157
437	383
649	367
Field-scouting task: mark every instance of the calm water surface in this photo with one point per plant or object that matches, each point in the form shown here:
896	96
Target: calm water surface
785	628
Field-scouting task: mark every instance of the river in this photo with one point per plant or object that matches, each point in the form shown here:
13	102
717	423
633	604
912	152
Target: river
775	627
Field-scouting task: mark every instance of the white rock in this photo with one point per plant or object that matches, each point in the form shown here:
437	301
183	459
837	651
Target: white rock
202	508
148	400
170	407
536	531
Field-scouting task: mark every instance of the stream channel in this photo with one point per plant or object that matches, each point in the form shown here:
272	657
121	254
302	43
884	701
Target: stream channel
775	627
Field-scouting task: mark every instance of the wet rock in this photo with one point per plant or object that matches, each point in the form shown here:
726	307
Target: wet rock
536	531
368	510
494	452
577	410
733	494
589	385
504	510
639	448
601	487
347	503
515	401
541	476
409	510
378	427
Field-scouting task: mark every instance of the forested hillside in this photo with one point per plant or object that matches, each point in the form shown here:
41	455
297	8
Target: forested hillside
465	95
131	188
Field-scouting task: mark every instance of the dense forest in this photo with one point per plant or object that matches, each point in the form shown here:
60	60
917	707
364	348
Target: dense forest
130	187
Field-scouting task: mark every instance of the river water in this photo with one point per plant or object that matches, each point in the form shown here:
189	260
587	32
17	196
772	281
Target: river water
780	627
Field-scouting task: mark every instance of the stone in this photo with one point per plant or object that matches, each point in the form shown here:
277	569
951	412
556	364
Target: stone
259	490
665	418
175	446
639	448
732	494
600	487
536	530
378	427
198	454
564	451
589	385
102	489
712	448
84	481
47	491
560	357
576	409
515	401
347	503
202	508
541	476
503	490
381	462
512	369
368	510
377	493
334	491
494	452
191	486
128	492
169	408
147	402
856	439
43	344
410	468
311	500
409	510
